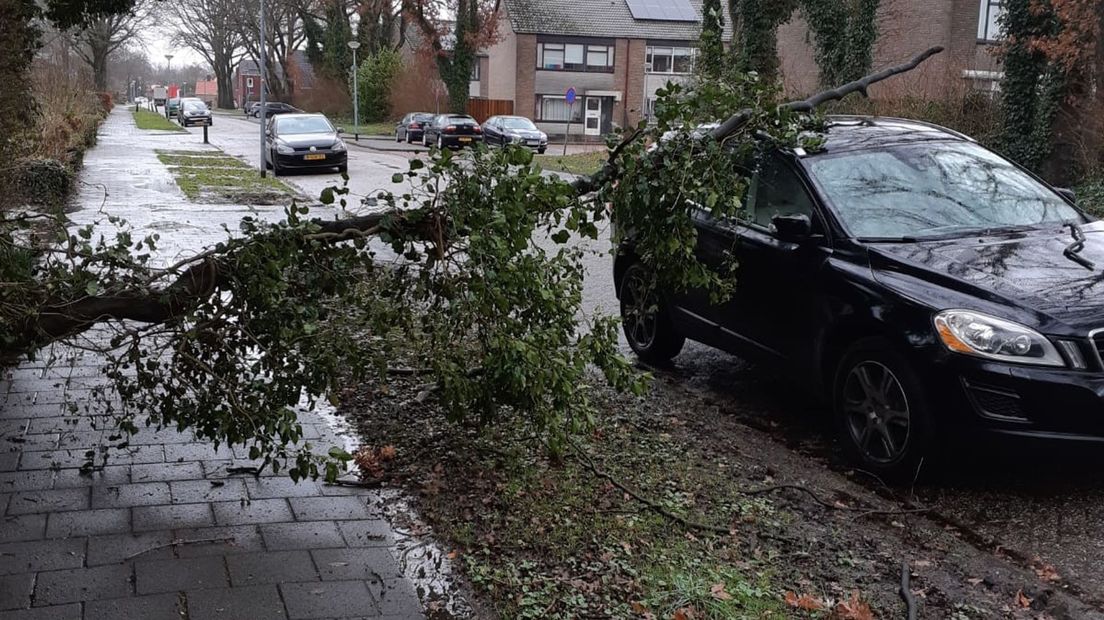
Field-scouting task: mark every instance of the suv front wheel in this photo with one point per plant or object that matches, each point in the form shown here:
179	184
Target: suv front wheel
645	318
882	412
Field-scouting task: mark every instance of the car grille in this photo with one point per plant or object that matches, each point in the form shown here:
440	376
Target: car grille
995	402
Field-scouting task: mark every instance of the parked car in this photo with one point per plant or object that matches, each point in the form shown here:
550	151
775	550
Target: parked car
250	108
173	104
303	141
272	108
411	126
140	101
452	131
195	112
503	130
923	284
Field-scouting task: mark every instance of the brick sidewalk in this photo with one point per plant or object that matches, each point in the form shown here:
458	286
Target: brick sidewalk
164	530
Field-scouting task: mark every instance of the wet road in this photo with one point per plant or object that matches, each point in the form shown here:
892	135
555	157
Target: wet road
1030	500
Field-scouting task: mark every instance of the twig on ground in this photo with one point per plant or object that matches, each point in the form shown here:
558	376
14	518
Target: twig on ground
644	500
906	592
179	541
816	498
365	484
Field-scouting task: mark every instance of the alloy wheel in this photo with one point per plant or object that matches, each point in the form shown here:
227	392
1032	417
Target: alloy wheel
876	412
639	310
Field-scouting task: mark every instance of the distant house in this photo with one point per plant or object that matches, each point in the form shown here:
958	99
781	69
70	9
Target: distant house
207	90
247	79
614	54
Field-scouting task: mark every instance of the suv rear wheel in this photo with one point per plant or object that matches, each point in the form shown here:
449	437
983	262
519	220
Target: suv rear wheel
644	318
882	412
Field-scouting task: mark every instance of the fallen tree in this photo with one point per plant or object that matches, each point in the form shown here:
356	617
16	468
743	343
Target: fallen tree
232	341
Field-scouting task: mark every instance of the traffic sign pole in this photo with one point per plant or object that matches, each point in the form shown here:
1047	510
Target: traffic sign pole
569	97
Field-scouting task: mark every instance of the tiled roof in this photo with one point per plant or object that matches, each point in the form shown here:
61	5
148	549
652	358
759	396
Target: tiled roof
599	18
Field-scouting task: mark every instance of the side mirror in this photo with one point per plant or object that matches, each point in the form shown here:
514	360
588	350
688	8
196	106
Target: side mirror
340	129
794	228
1067	193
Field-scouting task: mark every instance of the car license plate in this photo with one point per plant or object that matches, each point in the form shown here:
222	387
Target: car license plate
314	156
465	139
534	143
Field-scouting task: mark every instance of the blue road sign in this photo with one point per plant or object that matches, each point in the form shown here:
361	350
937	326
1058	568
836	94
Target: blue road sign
570	95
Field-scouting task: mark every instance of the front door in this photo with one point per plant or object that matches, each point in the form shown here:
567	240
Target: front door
592	121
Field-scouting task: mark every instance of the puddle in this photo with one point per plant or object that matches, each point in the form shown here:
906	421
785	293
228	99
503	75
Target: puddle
420	557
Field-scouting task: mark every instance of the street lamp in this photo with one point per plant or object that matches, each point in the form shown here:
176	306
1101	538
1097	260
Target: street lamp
168	78
353	45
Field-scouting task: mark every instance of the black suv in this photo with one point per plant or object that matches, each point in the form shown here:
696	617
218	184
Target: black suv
923	284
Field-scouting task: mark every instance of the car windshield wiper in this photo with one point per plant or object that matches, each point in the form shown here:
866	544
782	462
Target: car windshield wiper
1073	250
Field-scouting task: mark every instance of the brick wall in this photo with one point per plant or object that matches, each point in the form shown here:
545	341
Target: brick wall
905	28
633	96
620	75
524	94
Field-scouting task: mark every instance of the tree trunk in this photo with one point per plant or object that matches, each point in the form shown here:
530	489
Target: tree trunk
224	82
99	69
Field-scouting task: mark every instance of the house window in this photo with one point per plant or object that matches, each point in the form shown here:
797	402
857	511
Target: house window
249	82
574	57
673	60
989	26
555	108
475	71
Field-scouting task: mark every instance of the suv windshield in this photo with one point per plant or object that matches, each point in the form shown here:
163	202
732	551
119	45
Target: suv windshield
933	189
305	124
518	123
195	106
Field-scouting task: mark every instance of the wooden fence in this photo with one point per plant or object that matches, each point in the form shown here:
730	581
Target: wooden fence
482	109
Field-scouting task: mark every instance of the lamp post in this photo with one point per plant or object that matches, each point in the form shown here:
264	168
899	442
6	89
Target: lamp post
168	78
261	77
353	45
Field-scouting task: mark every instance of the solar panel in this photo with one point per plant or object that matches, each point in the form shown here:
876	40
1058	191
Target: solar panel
663	10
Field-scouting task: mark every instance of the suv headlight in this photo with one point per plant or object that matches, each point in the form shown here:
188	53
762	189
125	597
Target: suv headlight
284	149
981	335
338	146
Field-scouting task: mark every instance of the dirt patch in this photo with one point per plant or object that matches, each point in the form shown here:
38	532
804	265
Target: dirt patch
775	532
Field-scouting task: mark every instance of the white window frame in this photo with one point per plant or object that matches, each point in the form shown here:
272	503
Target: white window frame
580	52
249	82
668	51
574	110
989	11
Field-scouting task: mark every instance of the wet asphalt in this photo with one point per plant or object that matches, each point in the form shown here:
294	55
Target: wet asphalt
1025	500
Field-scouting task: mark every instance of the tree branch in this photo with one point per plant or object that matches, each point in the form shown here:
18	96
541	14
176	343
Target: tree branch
610	171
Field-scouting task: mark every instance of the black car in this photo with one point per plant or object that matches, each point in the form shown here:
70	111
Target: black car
272	108
452	131
923	284
503	130
411	126
303	141
250	108
194	112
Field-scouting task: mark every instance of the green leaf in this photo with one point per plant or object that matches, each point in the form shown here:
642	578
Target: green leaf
396	178
327	196
92	288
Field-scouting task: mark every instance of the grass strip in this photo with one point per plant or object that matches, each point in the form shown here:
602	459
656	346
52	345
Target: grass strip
576	163
201	174
145	119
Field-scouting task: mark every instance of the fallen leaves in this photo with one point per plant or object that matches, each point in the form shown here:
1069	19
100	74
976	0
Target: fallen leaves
370	461
1022	600
1045	571
853	608
806	602
717	591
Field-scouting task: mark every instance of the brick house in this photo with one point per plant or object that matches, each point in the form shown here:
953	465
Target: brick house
247	79
614	60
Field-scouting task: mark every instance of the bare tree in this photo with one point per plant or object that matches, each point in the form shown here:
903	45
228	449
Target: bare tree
283	35
455	45
210	28
103	36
